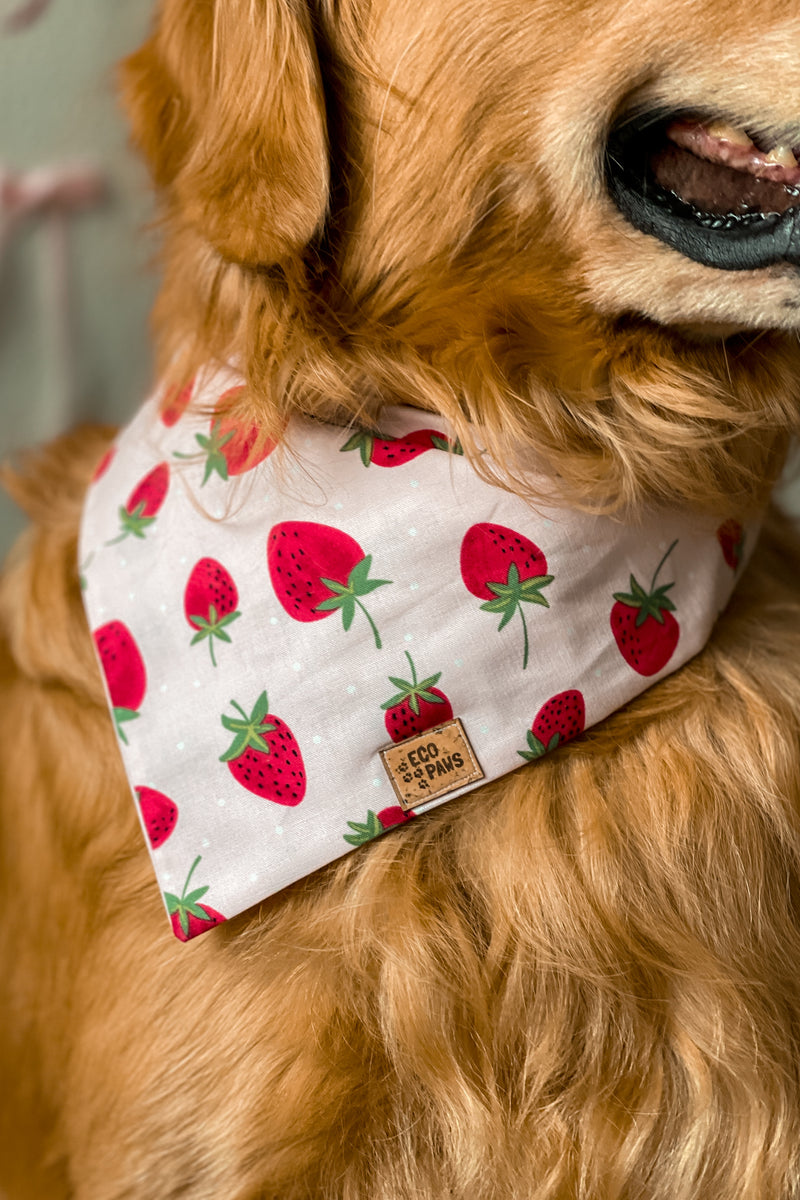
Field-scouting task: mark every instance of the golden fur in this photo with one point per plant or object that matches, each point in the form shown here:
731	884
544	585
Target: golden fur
578	983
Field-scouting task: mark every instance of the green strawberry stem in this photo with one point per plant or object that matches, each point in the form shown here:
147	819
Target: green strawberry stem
364	831
188	902
249	731
121	715
660	565
414	691
526	646
211	627
132	523
511	595
346	596
378	642
189	876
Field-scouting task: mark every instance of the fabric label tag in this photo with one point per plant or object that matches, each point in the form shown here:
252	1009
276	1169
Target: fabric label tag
431	764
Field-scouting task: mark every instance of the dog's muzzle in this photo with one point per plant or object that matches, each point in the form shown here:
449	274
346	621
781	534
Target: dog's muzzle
707	189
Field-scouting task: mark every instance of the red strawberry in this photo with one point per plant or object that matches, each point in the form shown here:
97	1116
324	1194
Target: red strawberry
316	570
123	667
643	625
559	720
175	402
189	918
264	756
104	464
393	452
376	824
159	815
417	706
231	448
730	536
210	603
505	569
144	503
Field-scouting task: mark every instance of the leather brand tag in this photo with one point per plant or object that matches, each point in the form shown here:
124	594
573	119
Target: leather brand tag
431	764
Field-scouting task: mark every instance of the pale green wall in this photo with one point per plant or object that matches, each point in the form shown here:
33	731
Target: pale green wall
57	103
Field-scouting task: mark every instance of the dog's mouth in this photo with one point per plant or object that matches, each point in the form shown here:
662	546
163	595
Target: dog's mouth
707	188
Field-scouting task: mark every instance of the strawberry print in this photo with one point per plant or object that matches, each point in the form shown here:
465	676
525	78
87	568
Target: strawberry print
144	503
175	402
230	447
188	916
416	706
376	824
317	570
559	720
124	669
209	602
159	815
643	625
264	756
507	570
730	536
104	464
393	452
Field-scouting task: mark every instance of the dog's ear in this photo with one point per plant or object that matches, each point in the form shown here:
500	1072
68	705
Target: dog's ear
226	103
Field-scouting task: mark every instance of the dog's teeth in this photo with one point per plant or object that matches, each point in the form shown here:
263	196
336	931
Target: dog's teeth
728	133
782	155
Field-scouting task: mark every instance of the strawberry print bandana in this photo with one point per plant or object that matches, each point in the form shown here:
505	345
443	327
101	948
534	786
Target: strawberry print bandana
303	649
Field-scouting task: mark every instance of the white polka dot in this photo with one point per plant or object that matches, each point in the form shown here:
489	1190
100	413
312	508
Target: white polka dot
409	637
183	560
412	533
273	620
459	662
196	683
253	877
205	843
131	595
598	671
413	587
167	876
297	666
279	829
351	690
219	512
123	562
221	802
415	483
163	607
163	687
101	612
377	782
338	506
180	746
484	728
316	739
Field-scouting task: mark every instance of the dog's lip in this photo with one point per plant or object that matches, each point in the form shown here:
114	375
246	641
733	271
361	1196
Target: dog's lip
671	180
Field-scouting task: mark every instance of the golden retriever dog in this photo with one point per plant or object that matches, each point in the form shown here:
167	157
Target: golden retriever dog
570	228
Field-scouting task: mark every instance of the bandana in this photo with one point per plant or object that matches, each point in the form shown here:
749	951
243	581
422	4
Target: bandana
303	649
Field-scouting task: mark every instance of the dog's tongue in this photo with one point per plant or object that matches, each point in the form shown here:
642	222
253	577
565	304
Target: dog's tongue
716	142
718	170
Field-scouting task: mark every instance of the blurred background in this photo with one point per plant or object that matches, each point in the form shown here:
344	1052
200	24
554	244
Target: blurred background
76	281
76	275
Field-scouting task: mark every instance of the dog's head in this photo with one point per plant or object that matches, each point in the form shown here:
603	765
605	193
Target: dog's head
537	219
